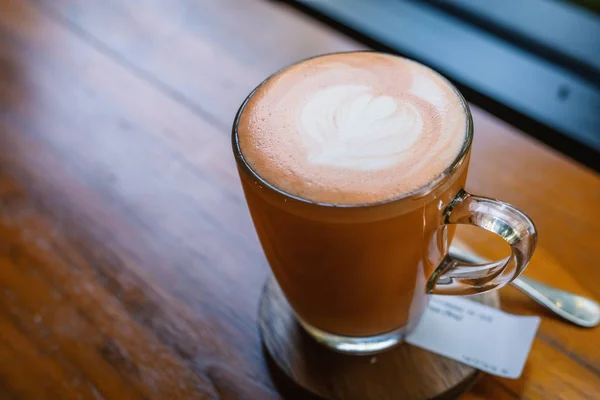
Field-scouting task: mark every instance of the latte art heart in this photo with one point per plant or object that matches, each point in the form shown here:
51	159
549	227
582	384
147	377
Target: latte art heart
352	128
347	126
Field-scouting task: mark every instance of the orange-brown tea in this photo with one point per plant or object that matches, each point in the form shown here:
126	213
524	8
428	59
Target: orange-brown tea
352	271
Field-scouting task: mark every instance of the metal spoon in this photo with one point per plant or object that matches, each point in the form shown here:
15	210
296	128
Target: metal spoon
576	309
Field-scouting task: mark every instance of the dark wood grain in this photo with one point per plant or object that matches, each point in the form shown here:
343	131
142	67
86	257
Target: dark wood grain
128	263
405	372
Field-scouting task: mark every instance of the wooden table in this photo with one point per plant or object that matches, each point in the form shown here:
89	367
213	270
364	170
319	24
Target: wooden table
129	267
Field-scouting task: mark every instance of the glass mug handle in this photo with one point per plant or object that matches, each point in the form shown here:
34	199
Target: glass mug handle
455	277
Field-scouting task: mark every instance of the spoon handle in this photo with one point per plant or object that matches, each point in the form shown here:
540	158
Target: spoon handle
576	309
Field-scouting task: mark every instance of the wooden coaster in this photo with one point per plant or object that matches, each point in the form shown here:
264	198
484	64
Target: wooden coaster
404	372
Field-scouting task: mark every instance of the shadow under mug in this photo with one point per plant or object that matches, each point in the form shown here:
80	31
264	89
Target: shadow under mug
358	275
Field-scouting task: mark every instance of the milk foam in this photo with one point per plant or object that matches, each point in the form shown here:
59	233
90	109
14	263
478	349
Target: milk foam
352	128
347	126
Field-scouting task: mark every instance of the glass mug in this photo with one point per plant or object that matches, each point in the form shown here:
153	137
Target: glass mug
358	276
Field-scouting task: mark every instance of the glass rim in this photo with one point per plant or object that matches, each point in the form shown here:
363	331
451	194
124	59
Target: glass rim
417	193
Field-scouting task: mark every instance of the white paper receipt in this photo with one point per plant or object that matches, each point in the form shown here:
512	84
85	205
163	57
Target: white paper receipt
482	337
